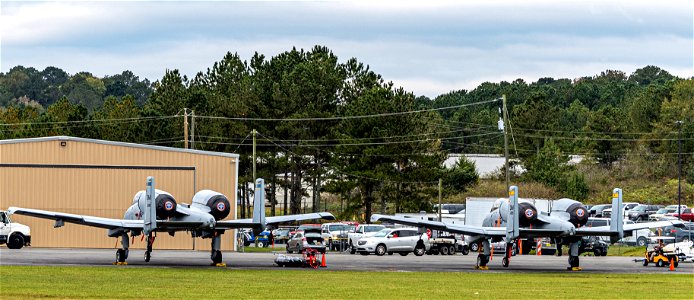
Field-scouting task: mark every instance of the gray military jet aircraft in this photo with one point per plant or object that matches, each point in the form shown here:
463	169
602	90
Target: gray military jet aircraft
513	220
157	211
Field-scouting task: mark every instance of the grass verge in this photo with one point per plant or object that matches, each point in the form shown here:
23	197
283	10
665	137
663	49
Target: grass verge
18	282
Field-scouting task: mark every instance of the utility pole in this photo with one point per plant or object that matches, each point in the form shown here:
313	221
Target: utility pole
503	97
185	128
192	129
679	172
440	188
254	132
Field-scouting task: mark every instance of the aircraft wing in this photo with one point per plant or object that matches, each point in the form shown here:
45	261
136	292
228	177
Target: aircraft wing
435	225
248	223
605	230
78	219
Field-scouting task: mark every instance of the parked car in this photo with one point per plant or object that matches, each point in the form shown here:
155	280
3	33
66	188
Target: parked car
281	235
661	213
593	244
335	235
15	235
641	212
687	215
636	237
401	240
362	231
680	234
606	213
596	211
303	239
449	208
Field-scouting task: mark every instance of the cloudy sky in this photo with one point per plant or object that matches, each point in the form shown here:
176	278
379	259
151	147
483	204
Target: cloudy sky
428	47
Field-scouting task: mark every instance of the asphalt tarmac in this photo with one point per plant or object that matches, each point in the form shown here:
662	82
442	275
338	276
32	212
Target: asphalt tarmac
338	261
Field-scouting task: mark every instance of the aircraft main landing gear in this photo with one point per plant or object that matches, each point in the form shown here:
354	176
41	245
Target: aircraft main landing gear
122	254
573	257
216	255
483	258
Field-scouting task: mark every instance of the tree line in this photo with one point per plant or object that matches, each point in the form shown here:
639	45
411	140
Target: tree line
342	128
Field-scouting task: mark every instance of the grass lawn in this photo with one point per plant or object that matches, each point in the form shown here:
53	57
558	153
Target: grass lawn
17	282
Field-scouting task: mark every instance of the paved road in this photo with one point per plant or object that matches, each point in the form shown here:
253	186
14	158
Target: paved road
395	263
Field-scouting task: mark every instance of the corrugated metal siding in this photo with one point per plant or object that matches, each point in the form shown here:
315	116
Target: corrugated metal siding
104	192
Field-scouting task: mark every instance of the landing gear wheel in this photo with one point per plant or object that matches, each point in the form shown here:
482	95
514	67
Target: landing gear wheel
148	256
504	262
121	255
444	250
482	260
380	250
216	257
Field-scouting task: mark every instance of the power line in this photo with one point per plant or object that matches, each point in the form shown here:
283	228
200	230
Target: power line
598	139
353	175
348	117
588	132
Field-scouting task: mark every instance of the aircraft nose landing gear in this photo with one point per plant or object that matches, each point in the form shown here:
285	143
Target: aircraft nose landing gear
148	252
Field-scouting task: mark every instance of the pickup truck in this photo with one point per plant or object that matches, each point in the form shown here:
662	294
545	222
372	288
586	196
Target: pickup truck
687	214
15	235
362	231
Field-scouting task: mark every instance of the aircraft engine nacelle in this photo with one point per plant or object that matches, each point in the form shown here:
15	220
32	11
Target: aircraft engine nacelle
527	213
164	203
212	202
578	214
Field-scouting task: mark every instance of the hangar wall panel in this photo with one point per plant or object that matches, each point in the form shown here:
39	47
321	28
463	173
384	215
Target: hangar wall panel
100	179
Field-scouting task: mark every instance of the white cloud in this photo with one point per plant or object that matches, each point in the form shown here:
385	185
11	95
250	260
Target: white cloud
427	48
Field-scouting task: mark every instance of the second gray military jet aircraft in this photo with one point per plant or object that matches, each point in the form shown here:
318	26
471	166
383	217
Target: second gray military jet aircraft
513	220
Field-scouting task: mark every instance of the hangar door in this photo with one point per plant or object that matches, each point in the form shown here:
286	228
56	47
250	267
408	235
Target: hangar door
103	191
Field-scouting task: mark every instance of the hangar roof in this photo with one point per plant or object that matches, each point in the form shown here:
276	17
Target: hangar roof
123	144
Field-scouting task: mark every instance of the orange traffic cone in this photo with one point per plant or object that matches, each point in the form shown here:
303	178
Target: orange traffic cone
672	264
322	261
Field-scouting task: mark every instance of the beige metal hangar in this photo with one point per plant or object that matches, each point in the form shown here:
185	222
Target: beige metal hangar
100	178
